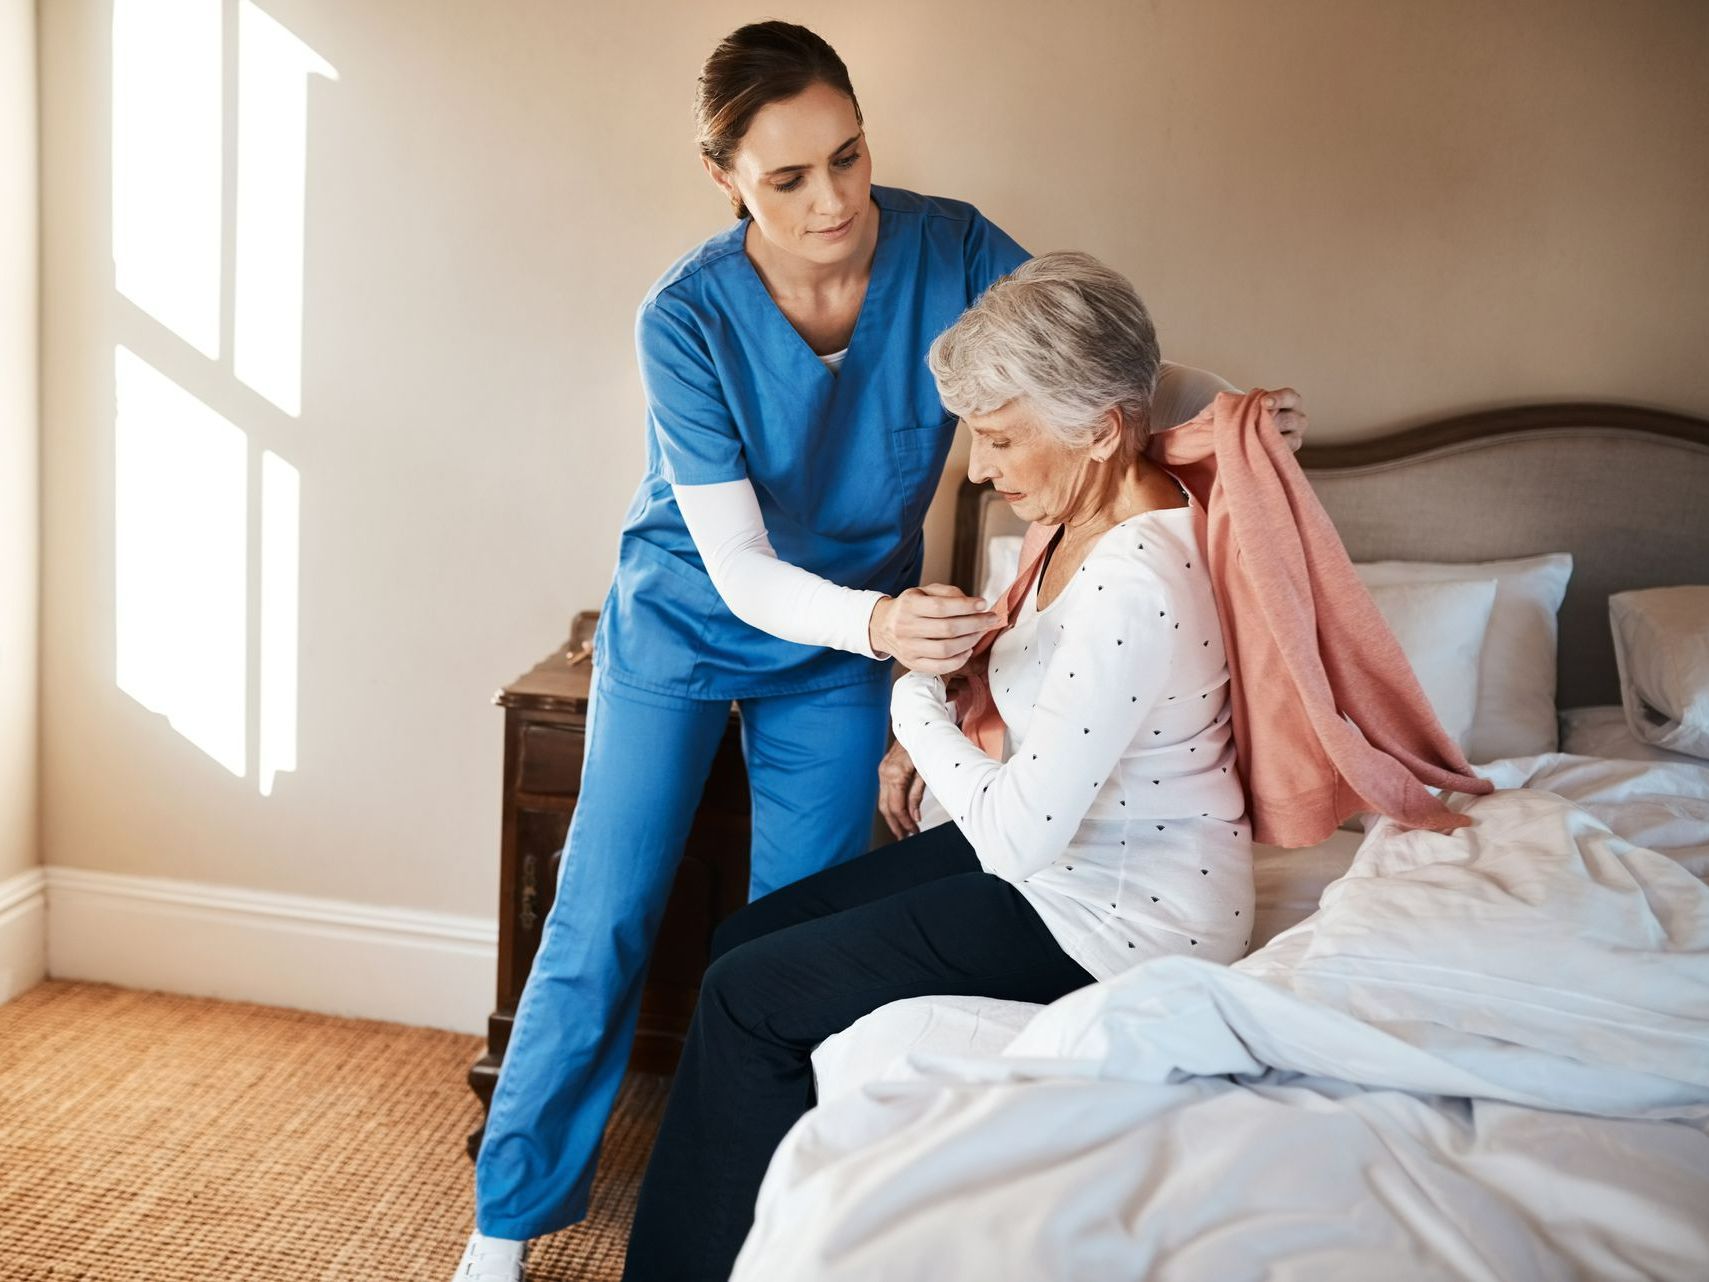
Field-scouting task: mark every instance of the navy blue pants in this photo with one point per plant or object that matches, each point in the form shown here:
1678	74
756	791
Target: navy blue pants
912	919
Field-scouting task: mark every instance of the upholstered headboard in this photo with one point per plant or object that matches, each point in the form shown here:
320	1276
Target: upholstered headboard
1625	490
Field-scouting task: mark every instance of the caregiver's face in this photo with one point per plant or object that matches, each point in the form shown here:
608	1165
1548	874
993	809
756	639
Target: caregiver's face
804	173
1035	472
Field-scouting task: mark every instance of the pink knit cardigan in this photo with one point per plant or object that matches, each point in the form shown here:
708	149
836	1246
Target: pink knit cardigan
1305	644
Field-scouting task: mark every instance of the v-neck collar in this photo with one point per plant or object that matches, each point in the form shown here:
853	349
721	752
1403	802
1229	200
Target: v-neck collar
877	284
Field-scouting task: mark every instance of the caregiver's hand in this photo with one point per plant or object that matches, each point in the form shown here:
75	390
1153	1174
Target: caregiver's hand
1291	421
930	629
900	788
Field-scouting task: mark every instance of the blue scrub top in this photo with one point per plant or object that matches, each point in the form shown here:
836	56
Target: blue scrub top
844	464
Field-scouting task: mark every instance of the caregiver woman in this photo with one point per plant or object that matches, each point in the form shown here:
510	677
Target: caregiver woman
794	440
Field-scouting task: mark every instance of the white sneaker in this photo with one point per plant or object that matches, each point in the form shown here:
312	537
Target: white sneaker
491	1259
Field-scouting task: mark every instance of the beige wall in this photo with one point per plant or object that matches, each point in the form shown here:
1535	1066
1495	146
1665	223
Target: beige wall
1403	209
20	547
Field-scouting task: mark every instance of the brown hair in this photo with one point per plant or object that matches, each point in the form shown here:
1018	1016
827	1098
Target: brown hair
753	67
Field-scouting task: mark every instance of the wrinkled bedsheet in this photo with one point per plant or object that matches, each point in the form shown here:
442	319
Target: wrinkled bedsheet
1485	1056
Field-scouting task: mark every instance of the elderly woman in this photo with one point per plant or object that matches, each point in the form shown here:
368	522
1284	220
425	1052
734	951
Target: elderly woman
1113	831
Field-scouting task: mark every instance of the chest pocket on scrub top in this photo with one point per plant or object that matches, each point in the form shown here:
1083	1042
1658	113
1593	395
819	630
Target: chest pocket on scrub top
920	452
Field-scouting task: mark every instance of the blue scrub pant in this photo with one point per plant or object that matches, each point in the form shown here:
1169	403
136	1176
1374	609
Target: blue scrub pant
813	776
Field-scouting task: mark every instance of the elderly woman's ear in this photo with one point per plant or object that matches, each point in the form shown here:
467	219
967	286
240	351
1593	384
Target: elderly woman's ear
1109	438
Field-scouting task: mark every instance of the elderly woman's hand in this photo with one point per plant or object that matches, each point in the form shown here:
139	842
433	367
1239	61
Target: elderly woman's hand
900	788
929	629
1291	421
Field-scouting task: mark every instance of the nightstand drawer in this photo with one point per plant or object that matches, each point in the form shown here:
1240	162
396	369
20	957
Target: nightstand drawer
550	761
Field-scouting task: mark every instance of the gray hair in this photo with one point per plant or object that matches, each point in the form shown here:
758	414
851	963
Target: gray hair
1066	334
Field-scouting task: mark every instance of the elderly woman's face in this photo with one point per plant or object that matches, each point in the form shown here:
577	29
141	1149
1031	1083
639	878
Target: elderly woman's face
1029	467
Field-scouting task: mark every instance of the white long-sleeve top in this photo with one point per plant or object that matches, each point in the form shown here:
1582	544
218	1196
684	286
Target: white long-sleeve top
770	594
1117	810
761	589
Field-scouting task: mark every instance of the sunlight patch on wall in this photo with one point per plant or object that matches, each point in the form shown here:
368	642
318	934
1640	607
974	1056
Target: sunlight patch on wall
281	499
180	538
273	67
182	471
167	170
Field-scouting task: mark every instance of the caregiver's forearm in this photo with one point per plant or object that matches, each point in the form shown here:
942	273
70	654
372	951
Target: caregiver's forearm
1182	391
728	530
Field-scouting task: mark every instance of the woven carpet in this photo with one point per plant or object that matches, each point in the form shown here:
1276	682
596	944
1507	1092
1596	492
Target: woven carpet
145	1136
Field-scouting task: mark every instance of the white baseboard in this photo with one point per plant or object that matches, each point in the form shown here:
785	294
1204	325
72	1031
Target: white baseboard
429	969
23	932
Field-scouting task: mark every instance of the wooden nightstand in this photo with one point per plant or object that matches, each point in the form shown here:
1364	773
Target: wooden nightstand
545	724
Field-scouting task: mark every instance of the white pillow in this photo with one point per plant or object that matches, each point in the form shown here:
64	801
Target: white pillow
1601	731
1442	627
1661	645
1516	676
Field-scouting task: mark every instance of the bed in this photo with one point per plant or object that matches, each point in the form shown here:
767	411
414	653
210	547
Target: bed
1478	1056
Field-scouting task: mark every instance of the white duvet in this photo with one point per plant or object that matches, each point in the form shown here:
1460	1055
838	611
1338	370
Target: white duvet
1486	1056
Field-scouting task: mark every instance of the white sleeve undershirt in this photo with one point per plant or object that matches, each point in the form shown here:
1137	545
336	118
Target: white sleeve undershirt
1181	392
728	530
